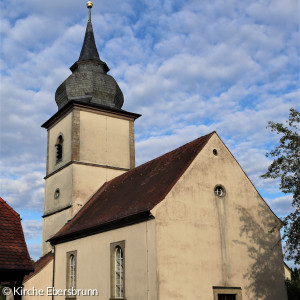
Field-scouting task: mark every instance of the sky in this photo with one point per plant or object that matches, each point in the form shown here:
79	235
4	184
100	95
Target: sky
188	66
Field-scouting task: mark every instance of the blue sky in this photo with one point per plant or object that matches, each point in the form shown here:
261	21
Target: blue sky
189	67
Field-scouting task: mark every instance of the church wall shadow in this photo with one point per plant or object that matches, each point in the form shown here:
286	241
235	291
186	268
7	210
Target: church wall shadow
264	275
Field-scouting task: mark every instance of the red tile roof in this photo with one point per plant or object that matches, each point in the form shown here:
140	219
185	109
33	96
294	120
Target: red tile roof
13	250
134	192
40	264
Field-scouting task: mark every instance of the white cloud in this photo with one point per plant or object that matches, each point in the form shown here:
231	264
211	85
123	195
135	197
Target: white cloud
25	192
281	205
190	67
281	13
32	229
35	251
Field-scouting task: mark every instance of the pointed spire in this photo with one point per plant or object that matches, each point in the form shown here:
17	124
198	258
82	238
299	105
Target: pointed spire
89	82
89	49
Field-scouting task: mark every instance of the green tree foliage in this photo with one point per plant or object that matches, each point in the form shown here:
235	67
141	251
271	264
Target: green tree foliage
286	167
293	285
2	297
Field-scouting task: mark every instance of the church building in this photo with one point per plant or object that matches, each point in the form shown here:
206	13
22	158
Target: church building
186	225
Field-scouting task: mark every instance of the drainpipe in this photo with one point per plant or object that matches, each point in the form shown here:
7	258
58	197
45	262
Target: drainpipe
53	277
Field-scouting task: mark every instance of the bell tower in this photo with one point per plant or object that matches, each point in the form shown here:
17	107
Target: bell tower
90	138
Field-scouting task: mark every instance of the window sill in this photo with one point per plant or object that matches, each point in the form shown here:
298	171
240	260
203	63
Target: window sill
58	161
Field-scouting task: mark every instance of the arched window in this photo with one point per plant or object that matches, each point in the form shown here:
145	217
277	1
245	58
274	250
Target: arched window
119	273
59	148
72	271
117	252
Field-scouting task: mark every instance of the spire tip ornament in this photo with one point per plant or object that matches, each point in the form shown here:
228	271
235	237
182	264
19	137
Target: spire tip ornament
89	5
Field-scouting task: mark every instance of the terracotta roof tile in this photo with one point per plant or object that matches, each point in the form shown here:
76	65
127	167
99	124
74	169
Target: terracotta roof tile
134	192
13	249
40	264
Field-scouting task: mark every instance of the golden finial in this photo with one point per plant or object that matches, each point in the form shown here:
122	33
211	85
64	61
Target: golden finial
89	4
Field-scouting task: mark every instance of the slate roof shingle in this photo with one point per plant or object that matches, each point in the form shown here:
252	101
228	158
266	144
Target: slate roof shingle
136	191
13	250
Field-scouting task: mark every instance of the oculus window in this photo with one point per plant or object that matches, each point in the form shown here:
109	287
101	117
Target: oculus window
220	191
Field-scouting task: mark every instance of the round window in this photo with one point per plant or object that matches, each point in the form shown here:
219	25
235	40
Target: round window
220	191
215	152
56	194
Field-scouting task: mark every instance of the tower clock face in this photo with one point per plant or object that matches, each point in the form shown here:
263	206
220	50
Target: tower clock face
56	194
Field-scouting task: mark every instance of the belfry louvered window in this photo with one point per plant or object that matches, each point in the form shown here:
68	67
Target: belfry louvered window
119	273
59	148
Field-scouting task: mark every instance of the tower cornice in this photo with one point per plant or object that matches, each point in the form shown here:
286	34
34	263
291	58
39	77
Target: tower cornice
91	106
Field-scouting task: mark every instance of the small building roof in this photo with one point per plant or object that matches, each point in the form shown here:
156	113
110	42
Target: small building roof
40	264
13	250
131	194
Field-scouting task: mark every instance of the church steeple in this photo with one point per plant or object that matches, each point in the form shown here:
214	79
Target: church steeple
89	49
90	138
89	82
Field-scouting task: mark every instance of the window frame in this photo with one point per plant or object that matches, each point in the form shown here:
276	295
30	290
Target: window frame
222	188
68	271
59	143
237	291
113	251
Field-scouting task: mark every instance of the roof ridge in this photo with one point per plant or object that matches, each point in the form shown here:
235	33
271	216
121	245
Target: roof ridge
181	156
249	179
165	154
12	231
45	259
90	201
191	160
126	174
168	153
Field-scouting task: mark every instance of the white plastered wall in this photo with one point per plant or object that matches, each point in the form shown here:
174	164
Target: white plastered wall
63	180
93	262
40	281
205	241
86	181
64	128
104	143
104	140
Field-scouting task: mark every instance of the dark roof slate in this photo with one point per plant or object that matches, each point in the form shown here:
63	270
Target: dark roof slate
89	48
40	264
13	250
134	192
